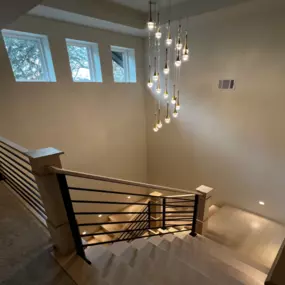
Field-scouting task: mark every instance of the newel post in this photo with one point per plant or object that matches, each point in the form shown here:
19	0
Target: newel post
155	209
204	203
49	188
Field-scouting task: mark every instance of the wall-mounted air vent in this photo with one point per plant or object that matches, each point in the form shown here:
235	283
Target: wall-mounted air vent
226	84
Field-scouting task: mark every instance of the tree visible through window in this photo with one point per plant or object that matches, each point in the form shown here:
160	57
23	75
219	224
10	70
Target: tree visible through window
84	61
79	62
29	56
25	58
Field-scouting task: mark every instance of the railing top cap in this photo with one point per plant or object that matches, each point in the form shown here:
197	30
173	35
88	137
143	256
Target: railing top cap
13	145
43	152
119	181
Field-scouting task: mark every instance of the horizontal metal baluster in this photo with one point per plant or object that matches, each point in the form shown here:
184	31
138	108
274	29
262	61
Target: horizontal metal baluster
14	154
23	175
15	162
33	204
21	184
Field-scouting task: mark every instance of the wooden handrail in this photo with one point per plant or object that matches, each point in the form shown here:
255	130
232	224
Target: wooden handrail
14	146
57	170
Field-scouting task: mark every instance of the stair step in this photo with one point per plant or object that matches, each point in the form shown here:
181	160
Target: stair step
209	265
169	260
224	254
112	228
103	238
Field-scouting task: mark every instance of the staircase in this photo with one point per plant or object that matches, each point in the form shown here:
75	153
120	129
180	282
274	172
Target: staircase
171	259
109	228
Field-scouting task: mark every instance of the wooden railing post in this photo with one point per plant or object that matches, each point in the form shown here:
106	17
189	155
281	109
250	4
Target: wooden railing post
205	201
49	188
154	208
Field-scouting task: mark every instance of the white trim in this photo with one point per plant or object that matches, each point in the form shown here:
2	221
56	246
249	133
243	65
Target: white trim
93	59
45	53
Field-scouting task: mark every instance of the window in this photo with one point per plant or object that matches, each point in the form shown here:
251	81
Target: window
84	61
124	64
30	56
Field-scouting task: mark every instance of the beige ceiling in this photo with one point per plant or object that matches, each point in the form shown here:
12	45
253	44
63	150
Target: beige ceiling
142	5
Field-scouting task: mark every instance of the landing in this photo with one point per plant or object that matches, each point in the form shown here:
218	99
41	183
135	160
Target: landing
24	257
254	239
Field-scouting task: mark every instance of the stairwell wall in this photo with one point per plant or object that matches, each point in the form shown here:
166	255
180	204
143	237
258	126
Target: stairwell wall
234	140
99	126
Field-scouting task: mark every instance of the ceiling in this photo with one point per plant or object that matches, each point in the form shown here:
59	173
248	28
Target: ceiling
142	5
124	16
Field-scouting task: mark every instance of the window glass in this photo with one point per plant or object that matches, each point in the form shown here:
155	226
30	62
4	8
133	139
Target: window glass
124	64
79	62
118	66
28	55
84	61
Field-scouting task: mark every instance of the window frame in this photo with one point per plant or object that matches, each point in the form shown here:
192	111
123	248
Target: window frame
129	62
93	60
45	53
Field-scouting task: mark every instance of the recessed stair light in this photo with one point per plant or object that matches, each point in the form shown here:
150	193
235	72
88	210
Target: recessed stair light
84	233
129	197
261	203
100	216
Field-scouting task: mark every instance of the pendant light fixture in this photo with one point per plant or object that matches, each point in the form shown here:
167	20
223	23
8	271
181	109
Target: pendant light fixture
173	99
185	55
166	66
168	72
178	101
168	40
167	117
155	74
150	23
158	33
178	59
159	122
158	88
165	94
179	44
149	83
155	128
175	112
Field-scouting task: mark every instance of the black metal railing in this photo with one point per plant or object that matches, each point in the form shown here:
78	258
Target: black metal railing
155	216
143	224
15	171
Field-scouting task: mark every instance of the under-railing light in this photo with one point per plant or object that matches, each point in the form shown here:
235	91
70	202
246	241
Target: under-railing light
261	203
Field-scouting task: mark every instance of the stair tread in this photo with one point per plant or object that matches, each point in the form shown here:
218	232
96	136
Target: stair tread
104	237
203	257
169	260
224	253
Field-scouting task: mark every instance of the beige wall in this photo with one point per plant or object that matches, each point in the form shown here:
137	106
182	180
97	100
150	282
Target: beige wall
230	140
99	126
